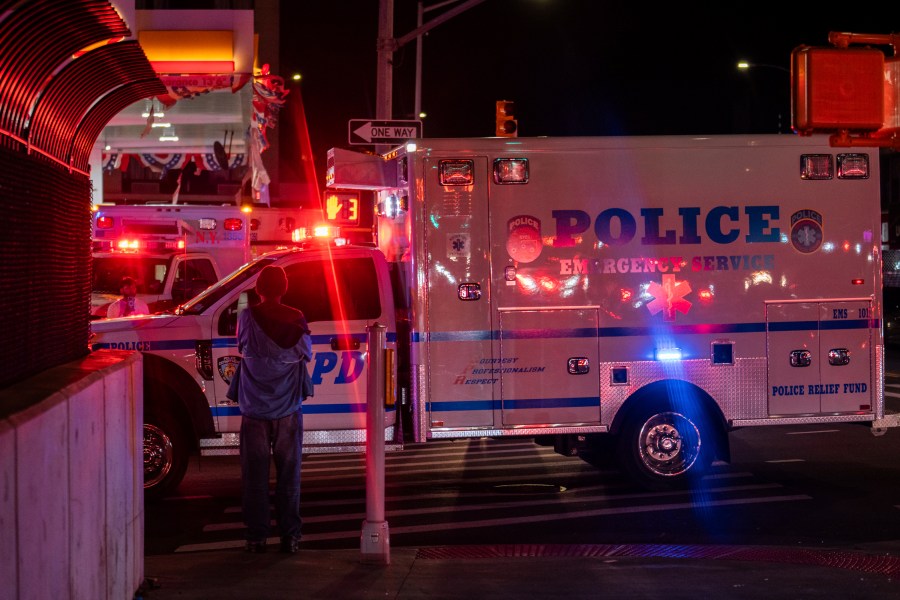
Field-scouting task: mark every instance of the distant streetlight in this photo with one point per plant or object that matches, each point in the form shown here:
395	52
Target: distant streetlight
420	13
746	66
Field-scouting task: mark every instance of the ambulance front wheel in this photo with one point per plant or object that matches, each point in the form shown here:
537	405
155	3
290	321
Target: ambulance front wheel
165	456
663	449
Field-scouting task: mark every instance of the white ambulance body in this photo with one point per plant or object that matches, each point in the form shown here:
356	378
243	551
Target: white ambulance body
663	289
176	251
638	295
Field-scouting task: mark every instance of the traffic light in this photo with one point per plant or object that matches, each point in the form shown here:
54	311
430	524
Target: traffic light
507	126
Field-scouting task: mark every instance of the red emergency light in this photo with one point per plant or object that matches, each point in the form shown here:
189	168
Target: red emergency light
232	224
104	222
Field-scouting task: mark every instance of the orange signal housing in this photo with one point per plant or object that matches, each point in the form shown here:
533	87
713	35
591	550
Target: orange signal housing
836	89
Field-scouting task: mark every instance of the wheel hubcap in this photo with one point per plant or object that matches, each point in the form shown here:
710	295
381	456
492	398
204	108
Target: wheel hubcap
158	455
669	444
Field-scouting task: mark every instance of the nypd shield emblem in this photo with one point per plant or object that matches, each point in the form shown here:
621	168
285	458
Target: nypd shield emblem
227	366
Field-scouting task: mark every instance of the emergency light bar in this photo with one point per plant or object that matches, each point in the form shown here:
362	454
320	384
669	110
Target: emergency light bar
319	233
131	244
128	244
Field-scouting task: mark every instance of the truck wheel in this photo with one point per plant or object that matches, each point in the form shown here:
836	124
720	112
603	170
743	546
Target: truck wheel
663	449
165	456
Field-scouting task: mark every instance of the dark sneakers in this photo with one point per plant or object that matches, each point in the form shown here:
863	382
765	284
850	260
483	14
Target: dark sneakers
290	545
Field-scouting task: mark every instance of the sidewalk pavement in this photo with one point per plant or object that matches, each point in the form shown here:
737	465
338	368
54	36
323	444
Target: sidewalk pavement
521	571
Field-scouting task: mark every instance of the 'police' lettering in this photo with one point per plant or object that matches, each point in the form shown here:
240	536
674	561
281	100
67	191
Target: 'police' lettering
722	225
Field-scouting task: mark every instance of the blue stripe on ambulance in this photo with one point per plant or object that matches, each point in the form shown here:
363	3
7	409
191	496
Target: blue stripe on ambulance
699	329
471	405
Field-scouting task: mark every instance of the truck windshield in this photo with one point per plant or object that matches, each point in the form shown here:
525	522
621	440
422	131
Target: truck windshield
148	271
214	293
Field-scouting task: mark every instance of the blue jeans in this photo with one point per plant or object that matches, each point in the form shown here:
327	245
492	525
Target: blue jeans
261	440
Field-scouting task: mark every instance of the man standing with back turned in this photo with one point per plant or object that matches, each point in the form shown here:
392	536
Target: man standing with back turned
275	343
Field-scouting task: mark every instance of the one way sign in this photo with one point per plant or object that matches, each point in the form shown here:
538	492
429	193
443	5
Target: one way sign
365	131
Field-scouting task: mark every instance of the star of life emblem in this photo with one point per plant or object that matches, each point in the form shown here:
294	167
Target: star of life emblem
806	231
459	245
668	298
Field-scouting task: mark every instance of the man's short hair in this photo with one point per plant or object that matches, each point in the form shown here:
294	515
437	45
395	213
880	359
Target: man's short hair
272	282
127	281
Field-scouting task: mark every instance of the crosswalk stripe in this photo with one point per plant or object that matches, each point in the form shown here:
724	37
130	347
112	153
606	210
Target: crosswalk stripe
542	518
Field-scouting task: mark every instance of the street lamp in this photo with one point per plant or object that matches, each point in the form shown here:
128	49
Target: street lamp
387	45
421	9
744	65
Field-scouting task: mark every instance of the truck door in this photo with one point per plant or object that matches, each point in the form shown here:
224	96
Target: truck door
819	357
458	356
340	297
548	366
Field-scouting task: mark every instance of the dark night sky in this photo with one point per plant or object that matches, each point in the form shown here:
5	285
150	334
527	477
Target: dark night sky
573	67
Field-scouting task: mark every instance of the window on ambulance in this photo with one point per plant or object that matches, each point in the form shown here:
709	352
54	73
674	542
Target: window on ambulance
192	277
350	286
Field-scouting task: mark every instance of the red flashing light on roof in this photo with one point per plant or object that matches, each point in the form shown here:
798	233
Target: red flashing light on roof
128	244
319	235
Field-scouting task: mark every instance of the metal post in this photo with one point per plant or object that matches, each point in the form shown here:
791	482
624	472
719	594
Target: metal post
385	71
417	105
375	546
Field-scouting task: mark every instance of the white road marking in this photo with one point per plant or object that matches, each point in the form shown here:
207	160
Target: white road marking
335	535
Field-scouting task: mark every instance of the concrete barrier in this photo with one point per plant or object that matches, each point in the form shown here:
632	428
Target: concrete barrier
71	481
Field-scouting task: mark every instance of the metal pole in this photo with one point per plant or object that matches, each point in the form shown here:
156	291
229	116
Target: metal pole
375	546
417	105
385	72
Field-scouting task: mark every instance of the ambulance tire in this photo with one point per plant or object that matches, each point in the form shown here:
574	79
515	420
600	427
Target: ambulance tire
663	449
165	455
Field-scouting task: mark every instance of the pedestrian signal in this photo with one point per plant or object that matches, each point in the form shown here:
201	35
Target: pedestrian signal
342	207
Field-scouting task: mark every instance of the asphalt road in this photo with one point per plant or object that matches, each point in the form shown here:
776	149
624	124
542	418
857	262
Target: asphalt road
835	485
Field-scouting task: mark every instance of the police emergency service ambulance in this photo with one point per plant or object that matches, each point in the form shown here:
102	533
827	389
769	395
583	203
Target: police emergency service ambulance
642	296
176	251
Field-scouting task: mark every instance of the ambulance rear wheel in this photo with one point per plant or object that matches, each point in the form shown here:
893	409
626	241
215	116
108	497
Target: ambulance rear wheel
663	449
165	456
